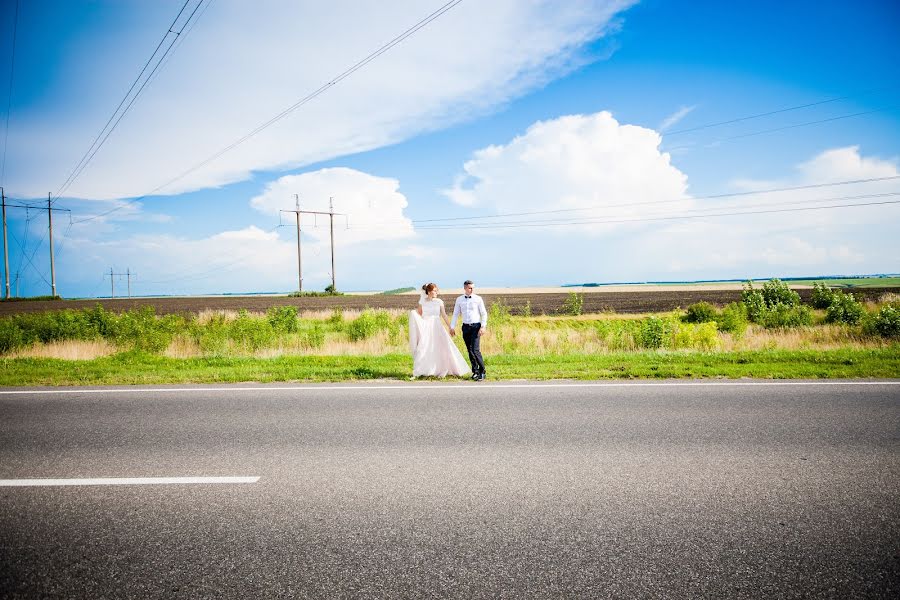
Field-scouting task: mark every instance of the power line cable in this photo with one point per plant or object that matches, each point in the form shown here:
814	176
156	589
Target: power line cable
309	97
775	112
110	126
784	128
668	218
649	202
12	67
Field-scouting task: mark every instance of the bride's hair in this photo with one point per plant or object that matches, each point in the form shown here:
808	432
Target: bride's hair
428	287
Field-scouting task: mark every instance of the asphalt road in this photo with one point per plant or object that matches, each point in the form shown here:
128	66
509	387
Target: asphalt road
626	490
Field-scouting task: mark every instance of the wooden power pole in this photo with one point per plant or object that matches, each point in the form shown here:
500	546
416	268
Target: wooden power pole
331	214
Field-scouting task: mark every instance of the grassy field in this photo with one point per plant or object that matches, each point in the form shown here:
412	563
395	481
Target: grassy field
140	368
100	348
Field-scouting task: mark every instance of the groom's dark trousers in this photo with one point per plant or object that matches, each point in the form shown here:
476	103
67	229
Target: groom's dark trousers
473	345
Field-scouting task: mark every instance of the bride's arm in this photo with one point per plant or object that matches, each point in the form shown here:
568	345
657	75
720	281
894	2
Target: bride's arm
444	316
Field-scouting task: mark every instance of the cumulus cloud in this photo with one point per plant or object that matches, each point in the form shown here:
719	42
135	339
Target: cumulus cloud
245	62
371	206
585	167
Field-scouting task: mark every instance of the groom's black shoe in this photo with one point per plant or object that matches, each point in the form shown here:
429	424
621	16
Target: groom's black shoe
480	377
475	376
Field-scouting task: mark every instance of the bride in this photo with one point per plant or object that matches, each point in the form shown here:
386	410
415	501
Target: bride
434	353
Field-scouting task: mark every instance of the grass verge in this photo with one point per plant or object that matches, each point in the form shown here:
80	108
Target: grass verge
138	368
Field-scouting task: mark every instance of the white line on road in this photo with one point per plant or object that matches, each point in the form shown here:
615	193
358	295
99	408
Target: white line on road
438	386
124	481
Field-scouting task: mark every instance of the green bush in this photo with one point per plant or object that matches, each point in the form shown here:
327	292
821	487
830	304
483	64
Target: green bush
783	316
702	336
775	305
844	308
776	293
283	319
249	333
822	295
336	320
142	330
498	313
754	302
701	312
886	322
526	310
364	326
10	336
573	304
654	332
315	337
212	336
733	319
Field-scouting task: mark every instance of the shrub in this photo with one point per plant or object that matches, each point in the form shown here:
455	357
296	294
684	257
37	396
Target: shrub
249	333
573	304
886	321
141	330
822	295
498	313
701	312
775	305
212	337
331	290
526	310
754	302
336	320
283	319
10	336
782	316
368	323
776	292
844	308
696	335
654	332
733	319
315	337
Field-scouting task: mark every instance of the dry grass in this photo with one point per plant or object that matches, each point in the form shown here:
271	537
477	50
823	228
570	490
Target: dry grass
533	336
67	350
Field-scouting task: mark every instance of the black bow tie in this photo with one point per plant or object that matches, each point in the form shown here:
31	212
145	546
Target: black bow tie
467	296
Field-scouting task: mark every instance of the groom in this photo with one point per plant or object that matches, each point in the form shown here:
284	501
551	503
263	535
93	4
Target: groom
470	307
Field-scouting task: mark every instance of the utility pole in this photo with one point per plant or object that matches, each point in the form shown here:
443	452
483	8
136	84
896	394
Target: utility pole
5	246
331	219
52	267
331	214
112	281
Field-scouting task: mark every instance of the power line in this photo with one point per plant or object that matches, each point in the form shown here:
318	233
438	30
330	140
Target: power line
775	112
12	66
309	97
649	202
786	127
669	218
98	142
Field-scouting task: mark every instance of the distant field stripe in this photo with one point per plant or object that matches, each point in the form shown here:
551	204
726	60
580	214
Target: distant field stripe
125	481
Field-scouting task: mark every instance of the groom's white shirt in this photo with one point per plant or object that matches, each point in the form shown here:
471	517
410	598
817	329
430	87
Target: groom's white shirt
470	309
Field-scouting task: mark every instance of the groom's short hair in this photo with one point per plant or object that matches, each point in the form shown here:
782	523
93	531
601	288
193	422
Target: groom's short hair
467	282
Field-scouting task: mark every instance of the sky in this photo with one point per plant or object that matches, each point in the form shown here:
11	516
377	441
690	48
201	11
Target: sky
512	143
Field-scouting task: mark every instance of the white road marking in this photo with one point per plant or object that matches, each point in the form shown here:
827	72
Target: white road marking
437	385
124	481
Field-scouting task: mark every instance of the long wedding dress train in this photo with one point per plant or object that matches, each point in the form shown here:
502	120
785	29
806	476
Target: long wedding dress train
433	350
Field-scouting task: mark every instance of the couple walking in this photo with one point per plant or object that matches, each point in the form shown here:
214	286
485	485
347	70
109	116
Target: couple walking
434	353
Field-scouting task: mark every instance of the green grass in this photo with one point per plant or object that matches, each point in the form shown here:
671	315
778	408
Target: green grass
133	368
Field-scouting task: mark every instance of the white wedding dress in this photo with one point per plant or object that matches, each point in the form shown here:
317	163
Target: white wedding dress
433	350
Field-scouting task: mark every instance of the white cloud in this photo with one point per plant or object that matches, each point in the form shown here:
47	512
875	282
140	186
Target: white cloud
588	165
245	62
675	117
372	206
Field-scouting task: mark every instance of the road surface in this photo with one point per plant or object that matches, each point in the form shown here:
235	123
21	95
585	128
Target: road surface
609	490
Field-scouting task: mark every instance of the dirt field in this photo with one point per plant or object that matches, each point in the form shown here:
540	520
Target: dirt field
541	303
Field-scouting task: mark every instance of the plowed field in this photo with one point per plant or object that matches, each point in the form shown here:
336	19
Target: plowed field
541	303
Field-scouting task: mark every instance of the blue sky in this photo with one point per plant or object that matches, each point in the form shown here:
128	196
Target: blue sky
572	113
